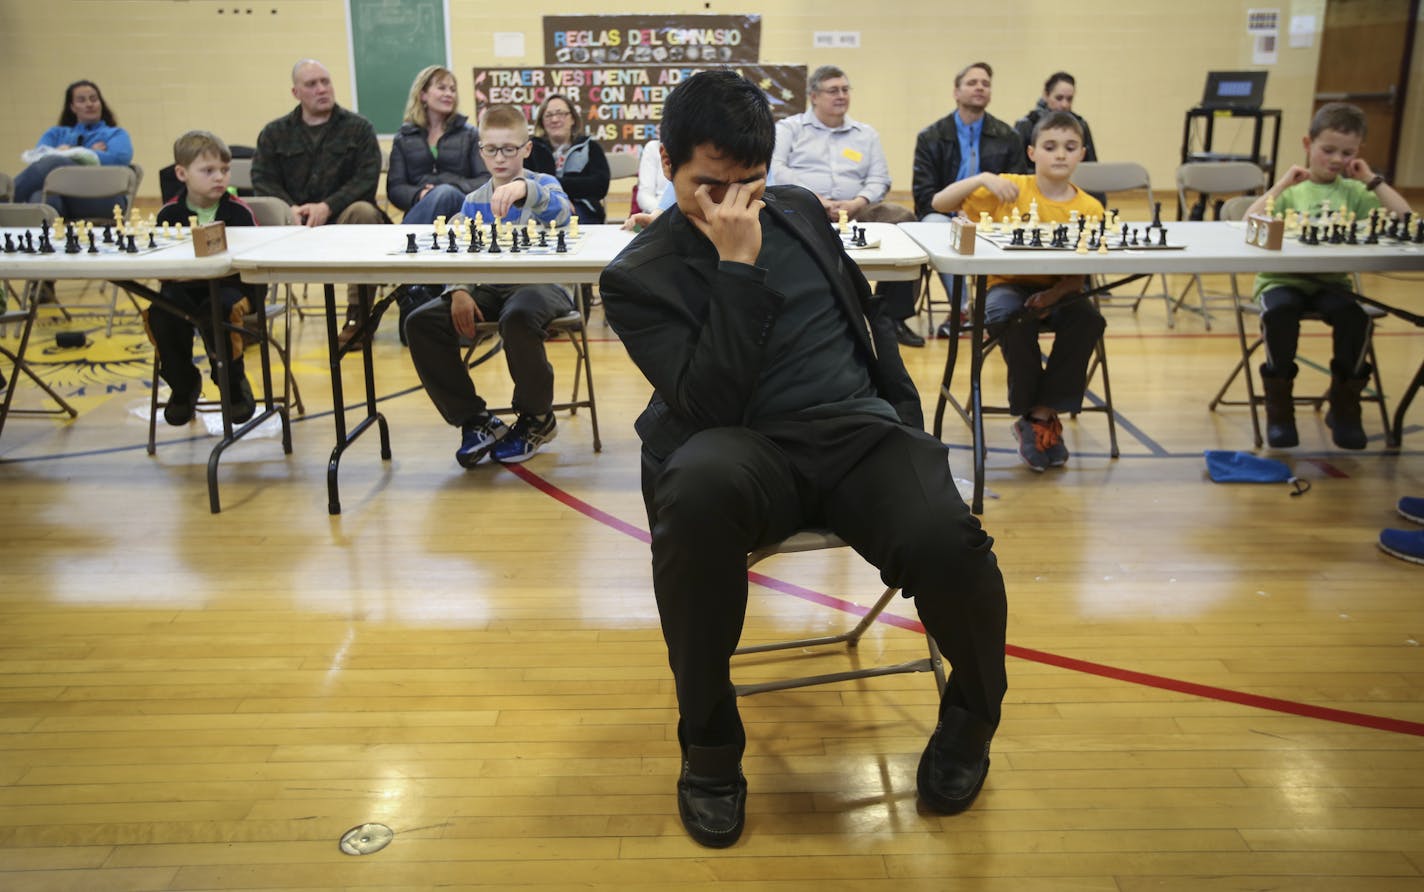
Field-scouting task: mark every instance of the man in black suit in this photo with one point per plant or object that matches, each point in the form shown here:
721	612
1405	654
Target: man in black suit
780	402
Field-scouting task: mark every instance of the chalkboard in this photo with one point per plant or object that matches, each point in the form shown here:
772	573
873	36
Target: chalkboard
391	41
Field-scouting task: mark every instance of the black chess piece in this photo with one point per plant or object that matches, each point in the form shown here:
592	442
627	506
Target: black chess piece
28	243
524	237
132	246
474	247
1352	238
9	244
46	246
1156	215
410	246
71	242
1419	233
1134	238
108	234
561	246
450	248
151	242
543	239
1037	240
93	247
1162	237
494	247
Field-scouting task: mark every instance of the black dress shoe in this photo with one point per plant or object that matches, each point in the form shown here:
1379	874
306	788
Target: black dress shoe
712	794
945	330
955	762
906	335
243	404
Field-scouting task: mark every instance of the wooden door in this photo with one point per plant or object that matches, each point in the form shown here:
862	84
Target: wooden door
1365	47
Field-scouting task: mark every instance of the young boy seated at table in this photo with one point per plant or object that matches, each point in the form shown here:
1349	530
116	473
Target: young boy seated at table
1018	307
1338	179
201	162
438	328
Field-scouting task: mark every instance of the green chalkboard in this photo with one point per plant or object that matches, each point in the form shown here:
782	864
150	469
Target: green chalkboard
391	41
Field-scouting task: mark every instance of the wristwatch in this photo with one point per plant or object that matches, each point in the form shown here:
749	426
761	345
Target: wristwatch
1374	182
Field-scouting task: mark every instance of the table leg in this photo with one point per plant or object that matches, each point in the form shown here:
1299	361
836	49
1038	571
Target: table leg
955	320
976	395
343	440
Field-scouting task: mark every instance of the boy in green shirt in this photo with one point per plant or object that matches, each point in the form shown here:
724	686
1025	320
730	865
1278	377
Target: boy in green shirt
1335	174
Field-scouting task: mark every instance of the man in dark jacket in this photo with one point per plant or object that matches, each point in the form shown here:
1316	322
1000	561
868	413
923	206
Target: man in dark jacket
965	142
325	162
780	403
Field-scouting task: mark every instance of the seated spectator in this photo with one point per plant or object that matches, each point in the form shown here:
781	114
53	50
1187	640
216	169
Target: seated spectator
435	158
87	133
652	184
1058	93
840	159
561	148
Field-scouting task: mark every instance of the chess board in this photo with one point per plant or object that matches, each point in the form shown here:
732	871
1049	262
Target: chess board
1004	240
542	242
17	243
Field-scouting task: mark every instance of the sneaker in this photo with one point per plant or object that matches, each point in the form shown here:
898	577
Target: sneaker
477	437
1057	451
527	437
1407	545
181	406
1035	438
1411	508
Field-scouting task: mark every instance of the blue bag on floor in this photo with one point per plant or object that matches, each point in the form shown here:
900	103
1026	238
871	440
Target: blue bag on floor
1227	466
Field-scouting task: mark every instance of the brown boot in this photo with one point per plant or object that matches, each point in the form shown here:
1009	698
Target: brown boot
1280	407
1343	419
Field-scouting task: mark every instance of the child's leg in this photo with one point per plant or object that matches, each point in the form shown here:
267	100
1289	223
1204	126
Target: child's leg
1077	327
1348	370
526	313
1018	341
1281	309
1349	325
173	339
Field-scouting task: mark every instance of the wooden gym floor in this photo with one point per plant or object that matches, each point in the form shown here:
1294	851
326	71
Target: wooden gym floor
1212	687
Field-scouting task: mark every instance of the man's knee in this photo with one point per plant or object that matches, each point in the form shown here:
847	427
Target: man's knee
359	213
704	478
430	322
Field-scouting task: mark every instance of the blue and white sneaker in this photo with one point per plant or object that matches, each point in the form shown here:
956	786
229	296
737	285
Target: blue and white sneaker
477	437
1411	508
526	437
1407	545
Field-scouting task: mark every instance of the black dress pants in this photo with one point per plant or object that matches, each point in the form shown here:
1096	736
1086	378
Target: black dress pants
884	488
173	335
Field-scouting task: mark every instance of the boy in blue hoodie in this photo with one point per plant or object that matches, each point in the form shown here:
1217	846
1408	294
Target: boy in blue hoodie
435	330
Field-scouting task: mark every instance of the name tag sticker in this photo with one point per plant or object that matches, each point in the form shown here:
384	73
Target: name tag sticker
852	154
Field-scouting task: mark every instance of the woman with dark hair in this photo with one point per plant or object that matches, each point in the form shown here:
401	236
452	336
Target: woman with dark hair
86	122
561	148
1058	92
435	158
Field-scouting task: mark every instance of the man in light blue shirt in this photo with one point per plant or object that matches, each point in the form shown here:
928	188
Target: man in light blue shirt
840	159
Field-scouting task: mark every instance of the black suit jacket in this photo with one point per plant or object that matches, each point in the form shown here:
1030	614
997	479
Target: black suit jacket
699	334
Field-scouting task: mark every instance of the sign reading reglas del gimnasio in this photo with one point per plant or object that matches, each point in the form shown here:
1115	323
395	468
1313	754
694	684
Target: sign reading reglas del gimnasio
651	39
622	105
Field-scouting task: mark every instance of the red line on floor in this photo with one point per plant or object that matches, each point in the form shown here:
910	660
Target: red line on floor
1161	682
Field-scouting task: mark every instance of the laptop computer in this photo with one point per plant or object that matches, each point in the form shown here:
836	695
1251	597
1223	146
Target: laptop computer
1234	89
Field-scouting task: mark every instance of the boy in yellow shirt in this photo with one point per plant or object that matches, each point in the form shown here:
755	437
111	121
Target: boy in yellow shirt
1038	392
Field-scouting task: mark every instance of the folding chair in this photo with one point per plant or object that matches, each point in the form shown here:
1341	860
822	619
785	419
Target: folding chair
1099	364
622	166
23	313
819	540
1214	178
1254	399
573	327
95	182
1107	177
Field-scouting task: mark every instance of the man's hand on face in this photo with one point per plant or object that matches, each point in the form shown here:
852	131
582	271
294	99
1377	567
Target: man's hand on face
733	226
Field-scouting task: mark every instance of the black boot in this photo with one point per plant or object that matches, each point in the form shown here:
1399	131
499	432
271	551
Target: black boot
1343	419
1280	407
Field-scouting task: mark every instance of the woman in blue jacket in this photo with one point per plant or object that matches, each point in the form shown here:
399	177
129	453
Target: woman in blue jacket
86	122
435	158
561	148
